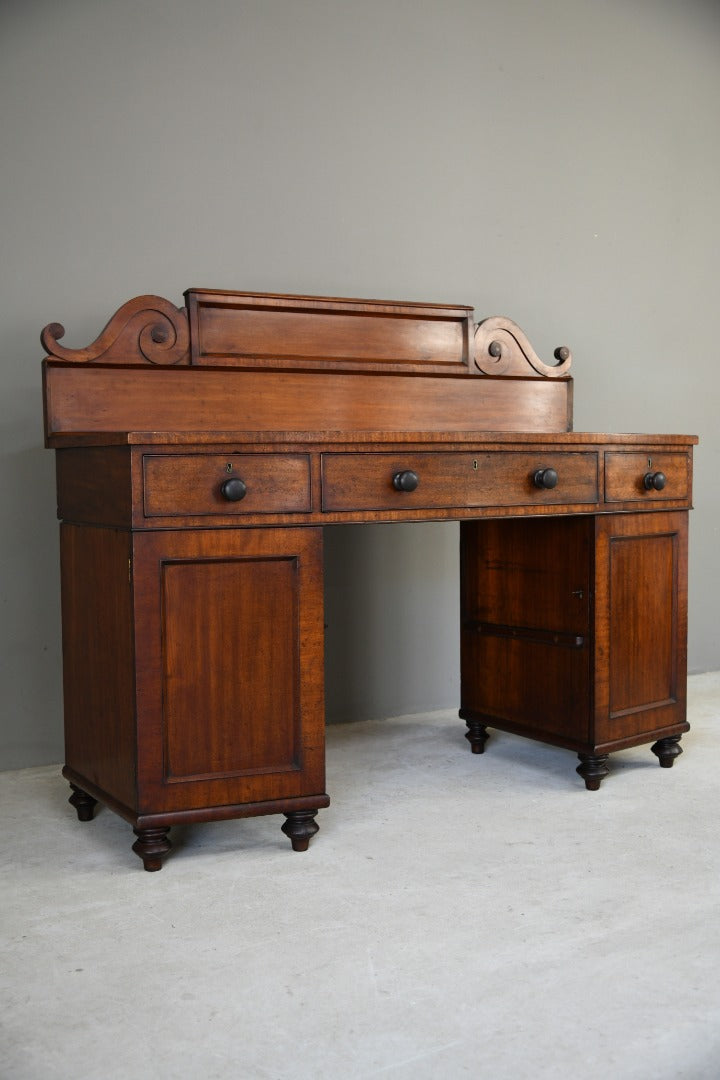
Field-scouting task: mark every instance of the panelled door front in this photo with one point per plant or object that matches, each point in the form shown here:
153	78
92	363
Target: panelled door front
641	625
229	646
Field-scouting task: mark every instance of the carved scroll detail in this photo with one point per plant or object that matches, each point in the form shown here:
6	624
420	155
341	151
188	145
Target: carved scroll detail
147	328
501	348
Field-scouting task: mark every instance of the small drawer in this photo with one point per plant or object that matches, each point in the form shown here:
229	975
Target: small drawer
635	477
407	480
195	485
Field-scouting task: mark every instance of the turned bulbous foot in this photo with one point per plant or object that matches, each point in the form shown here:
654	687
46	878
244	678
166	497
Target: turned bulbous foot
300	828
666	750
593	769
151	846
477	735
84	804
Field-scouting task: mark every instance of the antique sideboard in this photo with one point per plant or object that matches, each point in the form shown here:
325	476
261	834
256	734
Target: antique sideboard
201	451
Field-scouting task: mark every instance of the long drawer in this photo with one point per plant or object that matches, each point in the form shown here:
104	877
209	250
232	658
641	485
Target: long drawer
179	485
420	480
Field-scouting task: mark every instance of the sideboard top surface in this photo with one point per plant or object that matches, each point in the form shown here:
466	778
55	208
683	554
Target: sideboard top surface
485	439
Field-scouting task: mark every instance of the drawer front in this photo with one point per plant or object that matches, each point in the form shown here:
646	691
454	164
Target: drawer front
454	479
625	476
195	485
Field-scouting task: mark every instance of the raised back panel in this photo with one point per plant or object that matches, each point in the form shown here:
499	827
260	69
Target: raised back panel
261	330
249	362
82	400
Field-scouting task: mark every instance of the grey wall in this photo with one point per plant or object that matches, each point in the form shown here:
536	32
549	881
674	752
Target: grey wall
556	162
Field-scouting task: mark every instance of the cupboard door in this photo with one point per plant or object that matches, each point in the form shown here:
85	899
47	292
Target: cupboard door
229	646
641	625
526	637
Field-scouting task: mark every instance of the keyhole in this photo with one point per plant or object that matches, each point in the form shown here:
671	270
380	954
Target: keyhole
228	467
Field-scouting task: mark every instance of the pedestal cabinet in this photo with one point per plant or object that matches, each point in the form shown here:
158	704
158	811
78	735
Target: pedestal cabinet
573	631
194	676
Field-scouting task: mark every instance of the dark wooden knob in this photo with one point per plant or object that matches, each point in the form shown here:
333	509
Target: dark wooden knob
545	478
233	489
406	480
654	481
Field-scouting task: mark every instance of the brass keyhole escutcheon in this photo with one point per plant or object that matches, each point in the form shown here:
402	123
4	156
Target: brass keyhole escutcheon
228	467
649	463
475	464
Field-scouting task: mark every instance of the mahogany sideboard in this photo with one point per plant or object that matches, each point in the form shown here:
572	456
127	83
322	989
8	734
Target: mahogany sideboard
200	453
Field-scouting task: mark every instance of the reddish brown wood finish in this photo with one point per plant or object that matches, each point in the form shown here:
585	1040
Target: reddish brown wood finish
138	485
98	659
94	485
526	626
190	485
192	611
625	472
256	330
194	672
501	348
100	399
229	646
541	659
370	439
641	619
145	329
521	574
473	480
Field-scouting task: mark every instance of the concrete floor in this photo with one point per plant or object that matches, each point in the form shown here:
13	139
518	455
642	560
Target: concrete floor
456	916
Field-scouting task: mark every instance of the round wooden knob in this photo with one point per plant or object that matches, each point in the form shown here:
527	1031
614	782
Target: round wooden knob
233	490
406	480
654	481
545	478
